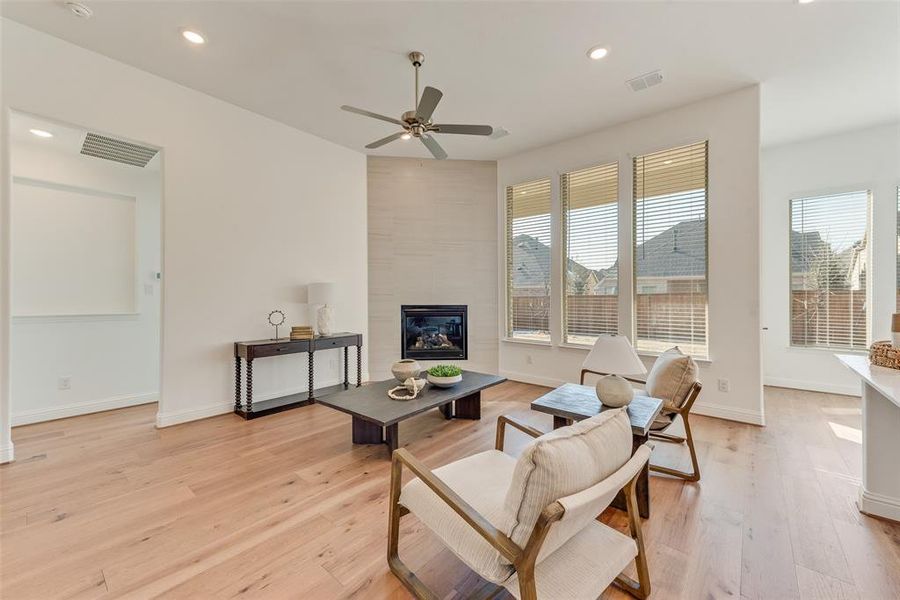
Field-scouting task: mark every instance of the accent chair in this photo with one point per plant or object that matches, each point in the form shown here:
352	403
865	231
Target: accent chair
530	524
674	380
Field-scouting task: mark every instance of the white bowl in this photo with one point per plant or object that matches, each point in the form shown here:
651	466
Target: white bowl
444	382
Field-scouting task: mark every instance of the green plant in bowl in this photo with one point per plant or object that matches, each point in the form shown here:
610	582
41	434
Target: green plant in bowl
444	375
445	371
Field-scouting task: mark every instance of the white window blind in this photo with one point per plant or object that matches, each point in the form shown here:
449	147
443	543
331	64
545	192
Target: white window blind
590	237
829	235
528	260
670	250
898	249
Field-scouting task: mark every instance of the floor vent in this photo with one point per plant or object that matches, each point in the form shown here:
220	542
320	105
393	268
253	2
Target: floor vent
108	148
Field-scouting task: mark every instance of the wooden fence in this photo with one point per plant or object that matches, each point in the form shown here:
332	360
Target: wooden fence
830	319
665	317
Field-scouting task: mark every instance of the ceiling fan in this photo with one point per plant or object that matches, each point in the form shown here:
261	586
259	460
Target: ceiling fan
417	123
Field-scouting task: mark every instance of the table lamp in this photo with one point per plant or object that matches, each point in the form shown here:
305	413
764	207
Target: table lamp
320	297
615	355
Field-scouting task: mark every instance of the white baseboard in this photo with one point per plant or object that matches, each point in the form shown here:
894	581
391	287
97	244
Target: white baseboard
878	505
168	419
813	386
192	414
75	409
532	379
7	453
729	413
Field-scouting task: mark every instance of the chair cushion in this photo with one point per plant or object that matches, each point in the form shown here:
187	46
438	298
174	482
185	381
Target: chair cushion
561	463
582	567
481	480
671	377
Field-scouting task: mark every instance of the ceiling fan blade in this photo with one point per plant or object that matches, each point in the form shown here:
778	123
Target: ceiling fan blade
433	147
427	103
366	113
383	141
465	129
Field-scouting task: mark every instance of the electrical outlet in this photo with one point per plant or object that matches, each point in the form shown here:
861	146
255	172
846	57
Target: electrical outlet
148	289
64	383
529	360
724	385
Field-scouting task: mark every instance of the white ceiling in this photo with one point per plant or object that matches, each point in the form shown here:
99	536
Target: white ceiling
825	67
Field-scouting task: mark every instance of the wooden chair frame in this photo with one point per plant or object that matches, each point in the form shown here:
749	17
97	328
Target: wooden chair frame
522	559
683	412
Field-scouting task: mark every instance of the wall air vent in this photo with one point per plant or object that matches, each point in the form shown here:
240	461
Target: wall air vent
642	82
101	146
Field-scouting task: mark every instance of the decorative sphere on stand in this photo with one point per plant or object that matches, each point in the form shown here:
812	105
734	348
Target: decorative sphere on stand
614	391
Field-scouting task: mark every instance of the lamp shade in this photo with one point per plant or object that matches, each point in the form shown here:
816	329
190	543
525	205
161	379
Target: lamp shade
614	354
321	293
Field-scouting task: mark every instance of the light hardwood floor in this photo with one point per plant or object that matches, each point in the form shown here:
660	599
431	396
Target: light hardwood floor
286	507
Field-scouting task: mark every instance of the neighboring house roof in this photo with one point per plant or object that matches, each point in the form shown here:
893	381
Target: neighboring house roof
531	264
679	251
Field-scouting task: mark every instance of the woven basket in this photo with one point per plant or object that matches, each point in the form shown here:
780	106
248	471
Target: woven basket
884	354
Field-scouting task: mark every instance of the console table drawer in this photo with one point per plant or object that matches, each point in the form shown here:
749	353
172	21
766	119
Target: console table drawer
335	342
275	349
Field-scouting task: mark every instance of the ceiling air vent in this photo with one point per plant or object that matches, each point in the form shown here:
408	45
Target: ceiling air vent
644	81
101	146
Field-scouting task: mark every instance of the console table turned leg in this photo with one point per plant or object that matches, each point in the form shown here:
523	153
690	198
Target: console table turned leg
249	387
312	366
358	366
237	383
346	367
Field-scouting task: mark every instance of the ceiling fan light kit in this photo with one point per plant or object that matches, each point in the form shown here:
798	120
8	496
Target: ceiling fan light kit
417	123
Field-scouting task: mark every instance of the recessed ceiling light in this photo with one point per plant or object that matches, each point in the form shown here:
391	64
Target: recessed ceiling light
41	133
804	1
405	136
193	37
597	52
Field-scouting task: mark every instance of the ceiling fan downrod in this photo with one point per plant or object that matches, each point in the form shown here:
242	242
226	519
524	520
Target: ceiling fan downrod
417	58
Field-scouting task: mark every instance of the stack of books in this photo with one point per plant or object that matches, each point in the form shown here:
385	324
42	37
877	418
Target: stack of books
302	332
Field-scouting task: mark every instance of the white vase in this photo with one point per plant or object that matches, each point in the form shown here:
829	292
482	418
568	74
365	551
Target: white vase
444	382
325	320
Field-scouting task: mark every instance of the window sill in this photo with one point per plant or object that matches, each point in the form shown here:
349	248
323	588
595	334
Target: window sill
526	342
572	346
816	350
698	360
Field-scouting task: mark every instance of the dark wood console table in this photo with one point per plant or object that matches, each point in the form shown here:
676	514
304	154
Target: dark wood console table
250	351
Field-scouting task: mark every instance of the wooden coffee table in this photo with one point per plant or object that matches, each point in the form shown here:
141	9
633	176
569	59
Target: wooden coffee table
376	416
573	402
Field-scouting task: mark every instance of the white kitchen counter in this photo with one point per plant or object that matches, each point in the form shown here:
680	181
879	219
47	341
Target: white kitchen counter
879	494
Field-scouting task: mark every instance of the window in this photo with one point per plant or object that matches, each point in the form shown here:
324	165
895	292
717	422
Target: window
829	235
670	250
528	260
591	236
898	249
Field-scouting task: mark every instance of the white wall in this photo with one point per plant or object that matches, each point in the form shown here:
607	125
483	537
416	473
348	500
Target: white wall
432	240
731	124
112	360
868	159
253	210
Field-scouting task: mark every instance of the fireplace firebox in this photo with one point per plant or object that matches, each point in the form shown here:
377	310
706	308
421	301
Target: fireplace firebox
433	332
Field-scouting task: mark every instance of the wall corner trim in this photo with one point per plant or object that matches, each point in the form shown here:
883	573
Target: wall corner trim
7	453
